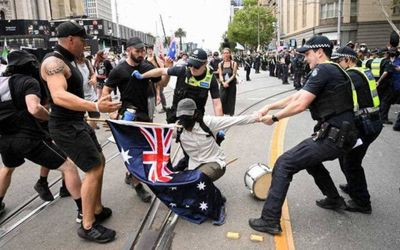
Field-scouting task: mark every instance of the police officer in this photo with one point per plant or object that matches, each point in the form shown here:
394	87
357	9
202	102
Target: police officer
70	131
22	136
194	81
297	64
369	126
328	95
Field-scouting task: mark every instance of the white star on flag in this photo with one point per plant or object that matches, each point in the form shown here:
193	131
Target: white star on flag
203	206
125	155
173	188
172	204
201	186
187	206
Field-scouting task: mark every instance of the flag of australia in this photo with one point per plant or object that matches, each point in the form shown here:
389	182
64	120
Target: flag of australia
145	149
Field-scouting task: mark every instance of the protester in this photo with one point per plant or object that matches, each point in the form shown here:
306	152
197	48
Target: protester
137	96
22	136
227	76
69	130
103	68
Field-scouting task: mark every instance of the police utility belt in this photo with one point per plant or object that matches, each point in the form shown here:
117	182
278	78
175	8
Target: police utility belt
371	112
331	133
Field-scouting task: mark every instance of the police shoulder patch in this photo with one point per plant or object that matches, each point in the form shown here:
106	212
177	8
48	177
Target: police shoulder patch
314	72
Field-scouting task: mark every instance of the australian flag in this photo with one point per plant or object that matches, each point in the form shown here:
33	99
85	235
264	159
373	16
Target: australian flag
145	149
172	49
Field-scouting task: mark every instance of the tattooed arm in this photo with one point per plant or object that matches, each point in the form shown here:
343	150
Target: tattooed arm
55	73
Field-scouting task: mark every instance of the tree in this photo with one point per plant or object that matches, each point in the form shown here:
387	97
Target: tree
180	33
250	20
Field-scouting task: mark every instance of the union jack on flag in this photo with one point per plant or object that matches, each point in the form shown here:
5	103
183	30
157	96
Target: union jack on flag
145	150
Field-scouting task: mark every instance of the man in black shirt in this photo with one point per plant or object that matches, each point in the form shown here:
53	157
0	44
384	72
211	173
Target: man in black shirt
71	132
135	94
369	126
22	136
328	94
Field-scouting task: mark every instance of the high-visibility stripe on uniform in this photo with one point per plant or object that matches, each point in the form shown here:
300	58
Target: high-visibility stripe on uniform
366	73
376	67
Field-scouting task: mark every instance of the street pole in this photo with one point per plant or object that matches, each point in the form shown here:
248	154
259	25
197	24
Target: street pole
258	27
339	22
118	28
278	23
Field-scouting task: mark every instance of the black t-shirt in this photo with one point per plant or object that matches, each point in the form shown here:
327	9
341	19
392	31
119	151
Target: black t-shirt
133	91
214	64
103	70
362	89
324	75
386	66
182	72
28	126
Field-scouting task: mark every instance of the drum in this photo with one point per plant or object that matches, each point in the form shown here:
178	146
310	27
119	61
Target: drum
258	180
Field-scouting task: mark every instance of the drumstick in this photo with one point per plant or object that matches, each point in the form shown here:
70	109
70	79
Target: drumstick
231	161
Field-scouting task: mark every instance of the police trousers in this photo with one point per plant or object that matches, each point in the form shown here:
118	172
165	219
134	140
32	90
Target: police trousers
309	155
351	165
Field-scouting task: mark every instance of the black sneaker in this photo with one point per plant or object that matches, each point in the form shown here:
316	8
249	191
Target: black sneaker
97	233
142	193
43	190
344	188
79	217
2	208
64	192
103	215
267	226
352	206
329	203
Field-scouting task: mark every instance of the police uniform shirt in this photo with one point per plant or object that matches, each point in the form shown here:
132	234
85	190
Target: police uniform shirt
27	124
362	89
137	93
386	66
320	77
180	72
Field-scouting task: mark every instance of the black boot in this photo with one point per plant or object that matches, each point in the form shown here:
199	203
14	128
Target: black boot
344	188
332	203
267	226
352	206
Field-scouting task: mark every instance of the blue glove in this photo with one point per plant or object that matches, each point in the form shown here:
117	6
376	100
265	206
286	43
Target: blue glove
137	75
221	134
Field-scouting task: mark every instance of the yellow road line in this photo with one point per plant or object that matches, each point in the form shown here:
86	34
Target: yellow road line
285	240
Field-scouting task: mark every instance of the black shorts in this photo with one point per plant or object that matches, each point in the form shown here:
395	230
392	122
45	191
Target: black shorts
39	151
79	142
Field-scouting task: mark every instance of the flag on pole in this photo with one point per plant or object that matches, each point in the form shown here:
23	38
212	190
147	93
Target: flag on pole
145	150
4	52
172	48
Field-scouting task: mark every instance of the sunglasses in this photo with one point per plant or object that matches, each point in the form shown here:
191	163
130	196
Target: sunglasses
195	67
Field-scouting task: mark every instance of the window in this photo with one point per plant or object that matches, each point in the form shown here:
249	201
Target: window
353	8
396	7
330	10
2	15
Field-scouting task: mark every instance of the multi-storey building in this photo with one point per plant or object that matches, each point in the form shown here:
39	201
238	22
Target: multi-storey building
361	21
98	9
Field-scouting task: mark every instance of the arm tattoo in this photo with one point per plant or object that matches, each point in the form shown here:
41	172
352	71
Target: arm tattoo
54	67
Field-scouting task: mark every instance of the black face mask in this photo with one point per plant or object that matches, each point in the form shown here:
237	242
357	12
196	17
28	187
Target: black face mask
187	121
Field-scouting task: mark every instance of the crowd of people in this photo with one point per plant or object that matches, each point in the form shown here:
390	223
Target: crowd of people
43	107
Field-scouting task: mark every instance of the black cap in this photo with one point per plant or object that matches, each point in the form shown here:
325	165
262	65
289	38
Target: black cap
197	58
316	42
20	57
71	28
135	42
345	51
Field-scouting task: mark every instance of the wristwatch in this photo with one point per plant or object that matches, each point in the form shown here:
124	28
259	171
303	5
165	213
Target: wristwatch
275	119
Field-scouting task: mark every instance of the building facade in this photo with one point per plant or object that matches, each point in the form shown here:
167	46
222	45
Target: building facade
100	9
361	21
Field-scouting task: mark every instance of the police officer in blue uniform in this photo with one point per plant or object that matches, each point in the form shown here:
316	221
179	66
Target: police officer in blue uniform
369	126
329	96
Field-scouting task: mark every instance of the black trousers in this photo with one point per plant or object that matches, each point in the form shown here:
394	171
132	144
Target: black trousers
351	165
285	74
272	70
309	155
297	79
228	99
248	74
